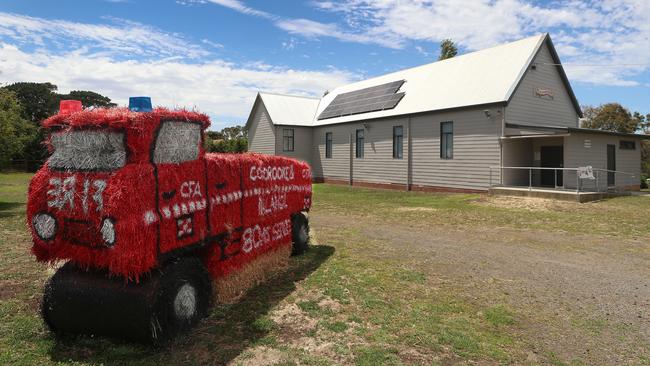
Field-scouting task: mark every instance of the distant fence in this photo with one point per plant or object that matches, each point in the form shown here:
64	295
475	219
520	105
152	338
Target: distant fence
23	165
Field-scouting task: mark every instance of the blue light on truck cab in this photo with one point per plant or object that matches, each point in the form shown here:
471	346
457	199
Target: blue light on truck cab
140	104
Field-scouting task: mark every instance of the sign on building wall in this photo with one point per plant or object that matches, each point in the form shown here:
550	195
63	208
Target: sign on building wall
544	93
586	172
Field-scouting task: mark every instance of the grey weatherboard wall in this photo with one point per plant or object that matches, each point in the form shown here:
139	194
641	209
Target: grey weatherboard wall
377	165
526	107
261	133
302	141
476	148
594	153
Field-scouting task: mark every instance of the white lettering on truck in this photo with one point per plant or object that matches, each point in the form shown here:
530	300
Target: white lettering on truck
256	236
62	193
190	189
273	203
271	173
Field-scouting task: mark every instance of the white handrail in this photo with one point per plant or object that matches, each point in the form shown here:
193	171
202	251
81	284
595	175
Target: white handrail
578	179
569	169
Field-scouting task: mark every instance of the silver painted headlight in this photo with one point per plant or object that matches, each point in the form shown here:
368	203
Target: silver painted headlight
108	232
44	225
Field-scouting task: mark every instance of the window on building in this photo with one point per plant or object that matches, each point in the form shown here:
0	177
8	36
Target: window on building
398	142
328	145
360	142
627	145
287	139
447	140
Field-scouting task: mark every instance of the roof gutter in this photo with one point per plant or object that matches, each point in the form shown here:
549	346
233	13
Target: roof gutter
413	114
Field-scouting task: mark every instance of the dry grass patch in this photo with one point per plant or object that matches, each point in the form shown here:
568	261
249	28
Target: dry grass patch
530	203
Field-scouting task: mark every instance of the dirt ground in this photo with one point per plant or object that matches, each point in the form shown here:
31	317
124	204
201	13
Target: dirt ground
579	297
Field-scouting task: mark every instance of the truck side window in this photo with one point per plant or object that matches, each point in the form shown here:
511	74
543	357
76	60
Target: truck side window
177	142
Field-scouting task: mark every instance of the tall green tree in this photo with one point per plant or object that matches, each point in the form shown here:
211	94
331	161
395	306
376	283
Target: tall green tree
15	131
89	98
448	49
612	117
38	100
645	150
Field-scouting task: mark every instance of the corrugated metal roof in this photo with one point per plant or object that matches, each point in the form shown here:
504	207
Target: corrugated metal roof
290	110
482	77
486	76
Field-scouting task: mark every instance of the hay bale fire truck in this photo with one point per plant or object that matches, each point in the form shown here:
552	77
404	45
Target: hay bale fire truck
146	220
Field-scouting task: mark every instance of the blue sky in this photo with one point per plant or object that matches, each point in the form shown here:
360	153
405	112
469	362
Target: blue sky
214	55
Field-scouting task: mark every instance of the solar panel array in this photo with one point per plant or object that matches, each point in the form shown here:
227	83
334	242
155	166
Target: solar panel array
375	98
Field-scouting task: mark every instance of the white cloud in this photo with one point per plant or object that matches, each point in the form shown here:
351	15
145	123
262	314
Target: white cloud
240	7
290	45
218	88
312	29
422	51
126	58
210	43
613	34
123	37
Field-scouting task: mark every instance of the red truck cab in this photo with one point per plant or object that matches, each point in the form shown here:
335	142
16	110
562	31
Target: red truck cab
128	194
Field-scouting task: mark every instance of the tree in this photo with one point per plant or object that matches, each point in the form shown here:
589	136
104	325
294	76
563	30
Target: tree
645	150
448	49
15	131
229	140
612	117
37	100
89	99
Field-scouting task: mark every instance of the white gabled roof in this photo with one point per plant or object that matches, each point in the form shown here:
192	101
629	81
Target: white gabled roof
482	77
290	110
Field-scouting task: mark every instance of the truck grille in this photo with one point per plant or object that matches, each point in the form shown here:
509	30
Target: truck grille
83	233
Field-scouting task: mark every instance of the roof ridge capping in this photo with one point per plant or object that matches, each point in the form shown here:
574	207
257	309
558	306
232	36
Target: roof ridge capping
288	95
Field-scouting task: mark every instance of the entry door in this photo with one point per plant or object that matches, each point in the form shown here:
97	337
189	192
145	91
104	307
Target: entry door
552	157
611	164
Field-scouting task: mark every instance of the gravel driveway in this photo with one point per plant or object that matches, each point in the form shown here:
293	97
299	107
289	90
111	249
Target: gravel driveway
575	297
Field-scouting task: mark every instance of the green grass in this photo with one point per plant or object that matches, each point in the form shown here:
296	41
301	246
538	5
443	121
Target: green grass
310	307
384	312
468	210
499	315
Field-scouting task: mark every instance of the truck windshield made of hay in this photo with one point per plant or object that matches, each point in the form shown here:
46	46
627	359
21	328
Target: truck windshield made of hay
148	222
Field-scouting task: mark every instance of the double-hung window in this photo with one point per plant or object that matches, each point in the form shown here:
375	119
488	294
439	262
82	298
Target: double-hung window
627	145
328	145
447	140
398	142
287	139
360	140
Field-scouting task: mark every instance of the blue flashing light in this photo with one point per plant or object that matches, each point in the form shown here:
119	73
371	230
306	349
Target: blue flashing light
140	104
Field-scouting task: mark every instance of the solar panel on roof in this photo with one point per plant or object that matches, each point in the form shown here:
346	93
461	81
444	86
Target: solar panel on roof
372	99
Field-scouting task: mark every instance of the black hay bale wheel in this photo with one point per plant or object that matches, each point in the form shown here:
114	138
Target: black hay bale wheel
185	293
299	233
156	309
